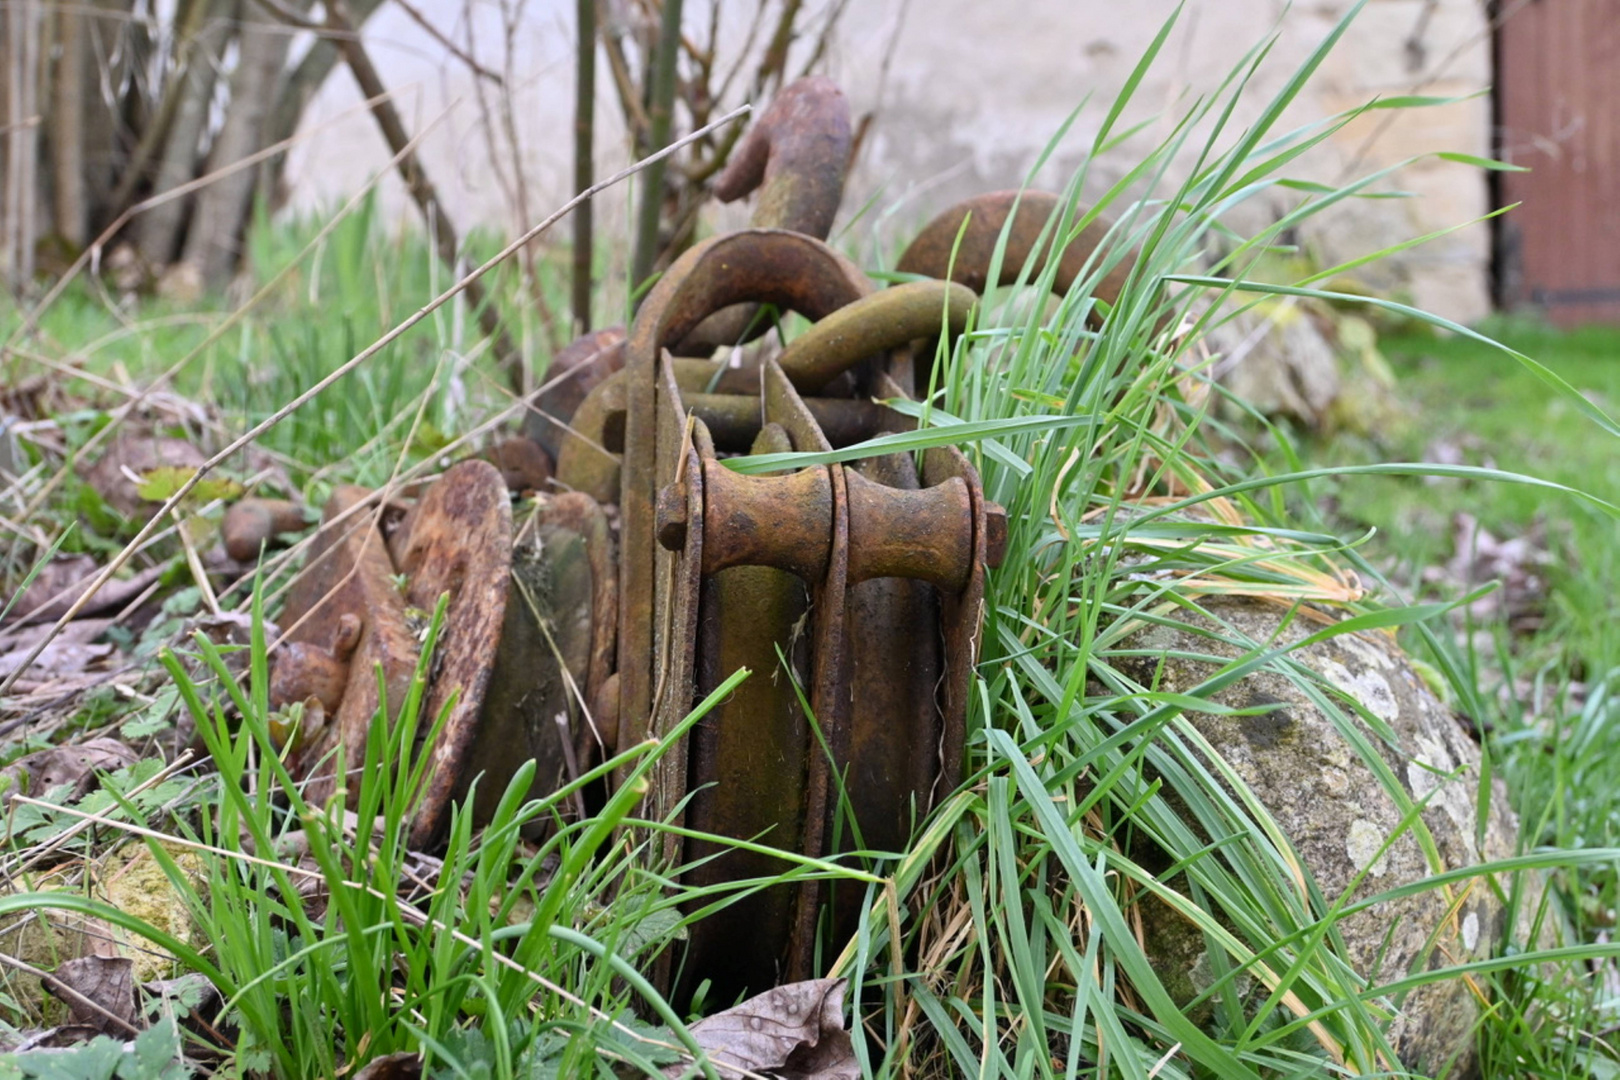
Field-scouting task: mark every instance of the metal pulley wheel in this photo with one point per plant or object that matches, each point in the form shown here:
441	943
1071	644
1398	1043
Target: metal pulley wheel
519	649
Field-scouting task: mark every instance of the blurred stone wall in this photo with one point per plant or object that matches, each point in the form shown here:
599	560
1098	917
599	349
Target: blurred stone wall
965	97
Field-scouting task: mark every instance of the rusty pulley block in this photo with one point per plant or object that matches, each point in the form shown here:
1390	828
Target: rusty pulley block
647	570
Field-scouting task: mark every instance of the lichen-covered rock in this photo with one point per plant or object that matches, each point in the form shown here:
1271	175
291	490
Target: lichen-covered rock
1277	359
1336	812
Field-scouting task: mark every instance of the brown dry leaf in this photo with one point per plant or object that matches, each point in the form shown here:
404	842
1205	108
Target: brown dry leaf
795	1031
42	939
55	577
77	765
402	1066
56	659
105	981
54	604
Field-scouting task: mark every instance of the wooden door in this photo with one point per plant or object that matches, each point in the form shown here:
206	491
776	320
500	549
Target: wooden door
1558	115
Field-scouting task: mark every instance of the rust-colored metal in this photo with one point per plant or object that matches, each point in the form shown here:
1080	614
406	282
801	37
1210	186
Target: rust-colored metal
527	638
877	552
769	266
946	249
585	463
734	420
681	446
853	592
780	521
555	650
575	371
922	533
524	466
250	524
872	325
795	155
345	604
459	542
317	675
753	750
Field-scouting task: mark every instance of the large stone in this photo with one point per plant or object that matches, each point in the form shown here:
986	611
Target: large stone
1336	812
1276	358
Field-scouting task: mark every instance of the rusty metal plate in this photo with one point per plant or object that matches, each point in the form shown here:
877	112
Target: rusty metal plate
554	652
748	761
585	462
682	445
961	612
459	541
345	617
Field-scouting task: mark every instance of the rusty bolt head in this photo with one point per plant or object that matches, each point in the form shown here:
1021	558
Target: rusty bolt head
671	519
995	533
524	465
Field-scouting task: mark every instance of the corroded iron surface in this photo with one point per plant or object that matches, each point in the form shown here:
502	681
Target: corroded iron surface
795	156
965	254
252	523
459	543
344	619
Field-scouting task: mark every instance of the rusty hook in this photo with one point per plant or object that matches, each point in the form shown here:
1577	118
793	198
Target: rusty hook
795	155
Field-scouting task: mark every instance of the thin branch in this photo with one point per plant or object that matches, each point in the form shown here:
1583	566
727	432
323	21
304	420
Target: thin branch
30	321
584	150
645	253
455	50
417	183
624	84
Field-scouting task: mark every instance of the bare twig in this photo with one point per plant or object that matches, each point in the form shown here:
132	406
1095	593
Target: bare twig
661	116
29	323
218	332
774	64
584	147
450	46
247	437
27	860
635	116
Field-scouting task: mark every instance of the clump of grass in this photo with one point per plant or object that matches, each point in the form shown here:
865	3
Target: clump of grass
1028	957
502	955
